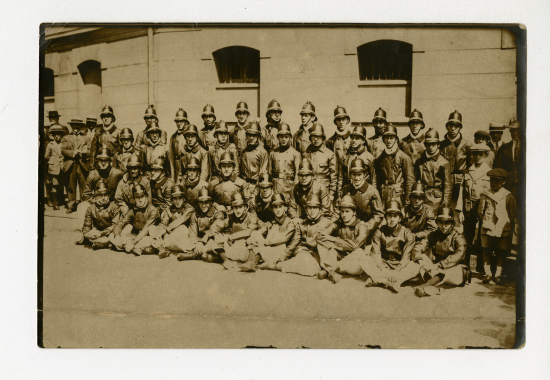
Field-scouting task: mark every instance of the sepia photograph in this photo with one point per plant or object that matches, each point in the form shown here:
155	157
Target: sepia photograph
282	186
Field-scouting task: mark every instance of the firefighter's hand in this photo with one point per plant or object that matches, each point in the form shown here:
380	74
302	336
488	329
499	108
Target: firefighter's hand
199	249
461	217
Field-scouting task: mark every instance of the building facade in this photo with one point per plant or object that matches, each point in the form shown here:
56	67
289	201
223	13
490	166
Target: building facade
434	70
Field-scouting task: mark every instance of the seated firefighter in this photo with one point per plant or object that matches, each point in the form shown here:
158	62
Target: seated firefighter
442	261
203	225
101	218
276	240
389	263
124	196
132	231
226	184
192	182
306	257
175	222
231	233
306	187
340	247
161	185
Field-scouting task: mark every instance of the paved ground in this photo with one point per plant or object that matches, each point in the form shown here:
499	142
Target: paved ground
112	299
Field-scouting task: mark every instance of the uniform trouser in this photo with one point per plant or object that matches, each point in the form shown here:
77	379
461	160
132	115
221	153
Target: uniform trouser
473	245
94	236
381	272
47	182
54	186
127	235
176	241
495	247
452	276
350	264
76	175
270	255
303	262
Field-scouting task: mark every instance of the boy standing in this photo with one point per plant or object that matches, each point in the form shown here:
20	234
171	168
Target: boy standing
54	158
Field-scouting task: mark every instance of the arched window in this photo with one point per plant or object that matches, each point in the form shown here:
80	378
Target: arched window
90	71
237	64
385	60
47	83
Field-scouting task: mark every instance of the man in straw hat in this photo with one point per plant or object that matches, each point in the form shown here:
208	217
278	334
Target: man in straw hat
283	162
483	137
413	144
132	231
275	241
193	149
143	138
375	145
357	149
74	147
301	140
226	184
434	172
271	129
177	143
307	186
509	157
394	169
341	246
100	220
389	264
107	137
442	262
496	130
254	160
475	183
497	212
222	146
124	195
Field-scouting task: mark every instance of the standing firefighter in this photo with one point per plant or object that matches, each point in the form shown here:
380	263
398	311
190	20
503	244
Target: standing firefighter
161	185
192	182
340	141
273	115
124	196
456	149
325	166
375	144
107	137
305	188
509	157
177	144
284	162
301	141
497	211
154	150
254	160
226	184
394	170
193	149
237	135
142	138
261	204
222	146
413	144
357	149
434	172
206	134
127	149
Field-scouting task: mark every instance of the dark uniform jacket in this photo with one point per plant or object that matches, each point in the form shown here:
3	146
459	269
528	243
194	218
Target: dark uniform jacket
105	138
254	161
111	178
142	140
369	205
139	218
505	159
413	147
162	193
221	190
299	195
449	250
124	196
262	207
394	173
325	166
206	136
310	229
375	145
191	190
176	152
200	154
394	246
421	222
300	140
283	166
69	144
352	154
204	225
435	174
349	237
150	153
237	228
214	157
271	142
172	213
459	157
339	143
284	231
237	136
101	217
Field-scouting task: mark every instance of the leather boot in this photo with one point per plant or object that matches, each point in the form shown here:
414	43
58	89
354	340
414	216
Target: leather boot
55	206
50	203
186	256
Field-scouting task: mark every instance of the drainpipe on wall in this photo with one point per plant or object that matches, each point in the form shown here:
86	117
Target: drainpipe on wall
150	59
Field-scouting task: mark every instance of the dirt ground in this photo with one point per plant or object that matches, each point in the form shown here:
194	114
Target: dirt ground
112	299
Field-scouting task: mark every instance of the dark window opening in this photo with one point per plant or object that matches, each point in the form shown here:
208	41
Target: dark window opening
385	60
47	82
90	71
237	64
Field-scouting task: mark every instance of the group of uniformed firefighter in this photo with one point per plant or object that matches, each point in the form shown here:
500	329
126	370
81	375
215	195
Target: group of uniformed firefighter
260	198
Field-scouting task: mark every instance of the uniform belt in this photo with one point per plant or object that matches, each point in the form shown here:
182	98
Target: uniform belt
252	181
321	176
282	176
